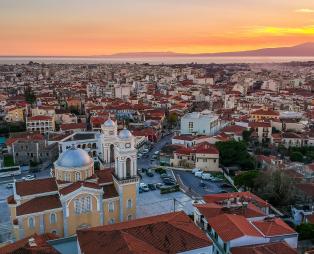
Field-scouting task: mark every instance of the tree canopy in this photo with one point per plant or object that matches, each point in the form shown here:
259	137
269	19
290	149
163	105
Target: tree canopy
234	153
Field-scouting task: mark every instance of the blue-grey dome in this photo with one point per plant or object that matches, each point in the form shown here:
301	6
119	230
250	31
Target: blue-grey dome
125	134
109	123
74	157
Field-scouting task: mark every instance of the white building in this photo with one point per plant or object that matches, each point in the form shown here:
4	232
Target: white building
204	123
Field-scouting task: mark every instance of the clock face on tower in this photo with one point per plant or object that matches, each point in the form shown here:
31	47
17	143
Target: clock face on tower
127	145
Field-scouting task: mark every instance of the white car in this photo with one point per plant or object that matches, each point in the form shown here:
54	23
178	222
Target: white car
29	178
194	170
207	176
198	173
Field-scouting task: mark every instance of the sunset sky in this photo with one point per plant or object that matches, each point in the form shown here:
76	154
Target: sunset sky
96	27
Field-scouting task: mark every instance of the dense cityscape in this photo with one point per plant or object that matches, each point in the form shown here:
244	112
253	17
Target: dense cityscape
141	158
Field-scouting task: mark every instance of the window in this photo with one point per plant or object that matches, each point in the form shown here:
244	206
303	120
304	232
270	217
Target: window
77	206
129	204
54	232
129	217
66	177
190	126
111	221
77	176
31	222
53	218
111	207
88	205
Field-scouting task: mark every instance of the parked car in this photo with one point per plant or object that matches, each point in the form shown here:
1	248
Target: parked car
151	186
156	153
144	187
169	181
149	173
145	156
194	170
202	184
198	173
207	176
163	175
159	185
28	178
9	186
226	185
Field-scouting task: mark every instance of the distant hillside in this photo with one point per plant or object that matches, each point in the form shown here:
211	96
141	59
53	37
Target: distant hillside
305	49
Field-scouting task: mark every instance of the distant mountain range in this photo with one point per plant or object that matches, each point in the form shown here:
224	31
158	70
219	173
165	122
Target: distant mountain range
305	49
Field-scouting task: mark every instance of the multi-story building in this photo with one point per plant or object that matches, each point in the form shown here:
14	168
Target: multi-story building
239	219
78	196
200	123
30	150
15	115
42	124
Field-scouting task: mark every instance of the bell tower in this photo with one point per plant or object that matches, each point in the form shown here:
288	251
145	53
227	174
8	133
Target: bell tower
109	131
125	175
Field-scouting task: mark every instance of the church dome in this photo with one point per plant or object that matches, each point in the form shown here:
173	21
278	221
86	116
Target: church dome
74	158
125	134
109	123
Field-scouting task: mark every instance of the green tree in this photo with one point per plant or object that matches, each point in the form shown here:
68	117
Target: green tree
306	231
235	153
29	95
246	135
296	156
247	179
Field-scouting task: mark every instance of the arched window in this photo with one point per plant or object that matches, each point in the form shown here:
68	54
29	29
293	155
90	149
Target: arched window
54	232
31	222
128	167
111	160
129	217
111	221
53	218
77	176
129	204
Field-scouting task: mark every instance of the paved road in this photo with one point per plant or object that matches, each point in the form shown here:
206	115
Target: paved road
193	182
146	162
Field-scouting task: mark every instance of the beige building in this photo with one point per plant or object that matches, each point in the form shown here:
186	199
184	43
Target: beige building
15	115
42	124
203	156
78	196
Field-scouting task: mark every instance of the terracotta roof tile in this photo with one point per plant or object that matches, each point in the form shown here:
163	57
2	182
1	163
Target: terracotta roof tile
39	204
273	227
267	248
168	233
74	186
22	246
230	227
25	188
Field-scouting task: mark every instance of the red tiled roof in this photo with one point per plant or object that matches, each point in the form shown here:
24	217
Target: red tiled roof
25	137
307	188
74	186
72	126
212	209
245	196
110	191
267	248
39	204
25	188
39	118
234	129
167	233
104	176
10	200
273	227
231	226
22	246
267	112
